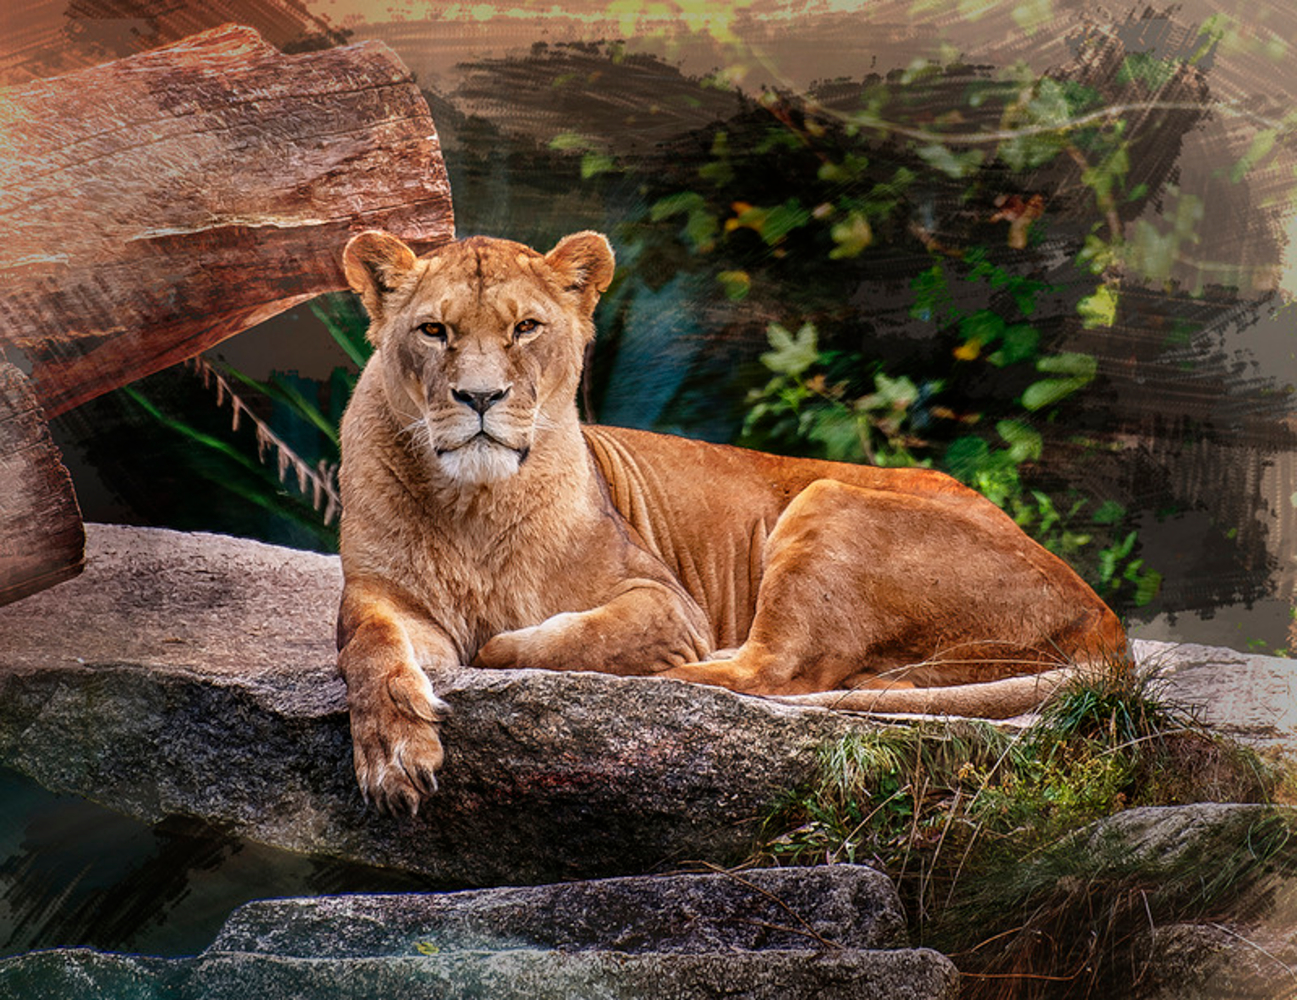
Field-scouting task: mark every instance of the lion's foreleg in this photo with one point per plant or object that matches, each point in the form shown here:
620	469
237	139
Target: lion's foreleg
394	711
644	628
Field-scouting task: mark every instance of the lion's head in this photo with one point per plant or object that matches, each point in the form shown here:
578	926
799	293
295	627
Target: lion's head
482	341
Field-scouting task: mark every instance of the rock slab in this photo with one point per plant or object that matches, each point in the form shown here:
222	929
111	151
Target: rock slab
775	933
1250	954
194	675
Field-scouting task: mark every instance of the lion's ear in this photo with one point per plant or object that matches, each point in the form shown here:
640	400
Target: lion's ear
375	262
584	262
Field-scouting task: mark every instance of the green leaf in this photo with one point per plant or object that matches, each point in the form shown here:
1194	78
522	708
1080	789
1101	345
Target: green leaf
852	236
791	355
1099	309
1150	582
839	431
570	140
1080	369
1080	365
782	220
949	162
700	226
1109	512
890	394
931	294
736	284
851	168
719	172
1017	343
1027	152
984	326
1104	177
675	204
1024	441
593	164
347	324
1049	391
965	457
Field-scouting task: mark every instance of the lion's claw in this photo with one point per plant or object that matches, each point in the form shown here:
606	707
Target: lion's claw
396	749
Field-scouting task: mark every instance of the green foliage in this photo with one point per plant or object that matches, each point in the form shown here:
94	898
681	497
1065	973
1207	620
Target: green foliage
253	460
796	205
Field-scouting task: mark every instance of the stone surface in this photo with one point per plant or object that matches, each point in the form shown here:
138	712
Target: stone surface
1251	954
831	907
194	675
187	674
1167	836
1250	697
1213	961
781	934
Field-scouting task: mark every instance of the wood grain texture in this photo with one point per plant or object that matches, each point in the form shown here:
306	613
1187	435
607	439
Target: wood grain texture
159	204
42	540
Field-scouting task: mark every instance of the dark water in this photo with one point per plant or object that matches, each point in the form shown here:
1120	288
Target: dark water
76	874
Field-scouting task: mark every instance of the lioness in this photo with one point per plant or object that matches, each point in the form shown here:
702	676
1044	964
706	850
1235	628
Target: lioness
483	524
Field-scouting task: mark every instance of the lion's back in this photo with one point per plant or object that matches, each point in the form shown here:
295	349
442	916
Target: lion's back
706	509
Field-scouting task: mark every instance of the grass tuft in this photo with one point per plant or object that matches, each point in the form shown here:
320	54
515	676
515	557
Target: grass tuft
993	839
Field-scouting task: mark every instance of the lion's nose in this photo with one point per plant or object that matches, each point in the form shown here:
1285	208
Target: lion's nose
480	400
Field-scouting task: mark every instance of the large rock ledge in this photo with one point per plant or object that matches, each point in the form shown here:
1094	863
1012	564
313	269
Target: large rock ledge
193	675
781	934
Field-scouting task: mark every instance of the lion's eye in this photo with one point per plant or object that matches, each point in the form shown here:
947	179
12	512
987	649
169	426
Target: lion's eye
433	331
524	327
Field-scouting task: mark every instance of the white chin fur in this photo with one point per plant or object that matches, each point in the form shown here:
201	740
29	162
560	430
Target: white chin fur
479	462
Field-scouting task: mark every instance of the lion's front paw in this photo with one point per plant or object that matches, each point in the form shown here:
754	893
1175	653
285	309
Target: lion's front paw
545	646
395	744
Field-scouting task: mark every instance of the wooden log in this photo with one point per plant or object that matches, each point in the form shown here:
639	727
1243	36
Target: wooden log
158	204
42	540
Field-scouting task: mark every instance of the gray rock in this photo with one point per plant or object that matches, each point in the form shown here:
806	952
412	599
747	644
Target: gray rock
1249	697
194	675
1167	837
830	907
757	934
81	974
1210	961
1249	955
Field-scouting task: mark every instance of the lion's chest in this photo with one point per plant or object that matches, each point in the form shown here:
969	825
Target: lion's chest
474	590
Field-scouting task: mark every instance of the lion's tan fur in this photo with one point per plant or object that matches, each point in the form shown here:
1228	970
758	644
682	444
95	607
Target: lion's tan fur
483	524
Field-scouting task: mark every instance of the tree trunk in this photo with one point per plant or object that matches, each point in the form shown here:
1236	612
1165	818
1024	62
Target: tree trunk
156	205
42	541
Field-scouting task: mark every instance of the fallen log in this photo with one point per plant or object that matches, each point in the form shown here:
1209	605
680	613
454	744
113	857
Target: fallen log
159	204
42	540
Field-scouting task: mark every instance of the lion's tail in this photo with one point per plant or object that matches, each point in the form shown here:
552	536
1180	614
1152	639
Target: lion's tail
1002	699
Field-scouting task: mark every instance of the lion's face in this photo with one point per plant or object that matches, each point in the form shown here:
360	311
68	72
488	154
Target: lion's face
481	342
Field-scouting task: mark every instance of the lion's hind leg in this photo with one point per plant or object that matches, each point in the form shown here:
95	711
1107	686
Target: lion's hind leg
905	599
